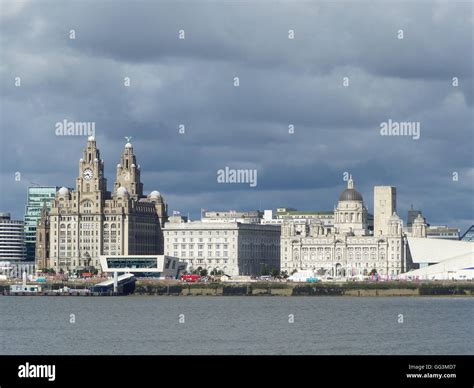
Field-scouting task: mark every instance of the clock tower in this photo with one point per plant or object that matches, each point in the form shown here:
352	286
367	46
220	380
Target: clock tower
89	221
91	171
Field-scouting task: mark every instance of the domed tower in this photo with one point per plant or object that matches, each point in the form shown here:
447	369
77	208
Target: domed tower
160	206
419	227
128	173
63	192
394	225
350	215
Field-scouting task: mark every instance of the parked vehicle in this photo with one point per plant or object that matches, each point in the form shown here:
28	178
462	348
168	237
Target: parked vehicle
191	278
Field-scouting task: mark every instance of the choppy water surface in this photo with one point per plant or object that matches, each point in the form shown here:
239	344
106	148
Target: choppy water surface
236	325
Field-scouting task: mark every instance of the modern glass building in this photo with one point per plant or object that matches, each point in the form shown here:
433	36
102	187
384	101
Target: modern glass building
12	239
37	196
160	266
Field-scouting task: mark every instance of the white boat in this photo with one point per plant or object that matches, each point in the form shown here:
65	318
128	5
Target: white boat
24	289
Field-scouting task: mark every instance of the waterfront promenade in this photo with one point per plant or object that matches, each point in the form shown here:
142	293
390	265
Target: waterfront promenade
356	289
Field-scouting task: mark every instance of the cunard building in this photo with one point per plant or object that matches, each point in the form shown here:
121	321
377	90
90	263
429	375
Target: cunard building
348	248
90	221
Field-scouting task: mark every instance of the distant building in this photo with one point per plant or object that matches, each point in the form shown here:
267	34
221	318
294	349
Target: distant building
385	204
12	239
302	216
37	197
232	247
326	217
468	235
246	217
177	218
268	217
442	231
412	214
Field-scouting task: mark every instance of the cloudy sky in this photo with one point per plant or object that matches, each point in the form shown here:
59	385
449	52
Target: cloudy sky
282	82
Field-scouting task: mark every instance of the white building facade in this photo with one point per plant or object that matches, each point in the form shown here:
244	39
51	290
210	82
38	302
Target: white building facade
348	249
244	217
232	247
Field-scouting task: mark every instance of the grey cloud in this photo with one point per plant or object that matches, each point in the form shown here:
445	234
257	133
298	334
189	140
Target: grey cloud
282	82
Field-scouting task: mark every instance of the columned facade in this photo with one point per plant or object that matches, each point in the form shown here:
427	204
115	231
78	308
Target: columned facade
346	250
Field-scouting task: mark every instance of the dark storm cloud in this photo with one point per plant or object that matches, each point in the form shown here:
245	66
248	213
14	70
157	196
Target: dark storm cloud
282	82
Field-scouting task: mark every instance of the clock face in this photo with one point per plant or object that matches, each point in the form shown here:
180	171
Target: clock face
87	174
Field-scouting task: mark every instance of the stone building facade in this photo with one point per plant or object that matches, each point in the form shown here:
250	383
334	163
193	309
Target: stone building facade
348	249
232	247
90	221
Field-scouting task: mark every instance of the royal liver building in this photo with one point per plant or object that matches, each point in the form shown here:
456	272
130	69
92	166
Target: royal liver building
348	248
90	221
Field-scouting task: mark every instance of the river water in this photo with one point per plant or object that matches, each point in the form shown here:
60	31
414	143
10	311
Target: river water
236	325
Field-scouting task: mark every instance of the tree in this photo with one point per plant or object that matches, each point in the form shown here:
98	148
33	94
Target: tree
203	272
275	273
197	271
284	274
48	270
264	270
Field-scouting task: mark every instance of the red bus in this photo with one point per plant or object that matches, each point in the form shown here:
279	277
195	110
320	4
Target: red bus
190	278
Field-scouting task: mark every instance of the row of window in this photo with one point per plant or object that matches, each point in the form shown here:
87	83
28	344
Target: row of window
201	246
199	254
200	232
203	261
201	240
